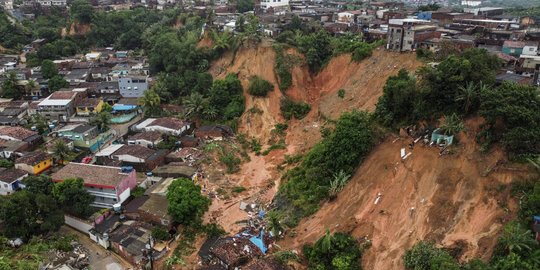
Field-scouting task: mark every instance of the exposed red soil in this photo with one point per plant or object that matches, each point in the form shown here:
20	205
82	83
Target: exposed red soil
455	196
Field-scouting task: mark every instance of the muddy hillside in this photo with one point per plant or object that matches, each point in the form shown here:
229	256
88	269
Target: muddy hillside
460	199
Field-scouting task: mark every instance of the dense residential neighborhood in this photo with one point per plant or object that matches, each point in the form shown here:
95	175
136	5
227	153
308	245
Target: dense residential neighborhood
222	134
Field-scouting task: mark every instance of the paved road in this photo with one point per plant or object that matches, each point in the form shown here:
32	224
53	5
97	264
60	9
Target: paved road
99	258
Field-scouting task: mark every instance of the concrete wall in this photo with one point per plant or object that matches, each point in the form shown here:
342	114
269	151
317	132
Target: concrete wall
78	224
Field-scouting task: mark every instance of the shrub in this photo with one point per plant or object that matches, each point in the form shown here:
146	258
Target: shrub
337	251
290	109
280	128
137	192
160	233
214	230
425	256
238	189
341	93
259	87
342	150
231	161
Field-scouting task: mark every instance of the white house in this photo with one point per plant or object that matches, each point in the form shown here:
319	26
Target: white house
265	4
165	125
530	50
11	180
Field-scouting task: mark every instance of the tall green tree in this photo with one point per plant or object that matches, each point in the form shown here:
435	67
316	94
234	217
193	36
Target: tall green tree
398	103
60	151
151	102
82	11
334	251
73	197
244	5
512	113
186	203
10	88
102	120
48	69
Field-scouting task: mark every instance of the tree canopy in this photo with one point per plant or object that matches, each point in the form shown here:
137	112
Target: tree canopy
186	203
73	197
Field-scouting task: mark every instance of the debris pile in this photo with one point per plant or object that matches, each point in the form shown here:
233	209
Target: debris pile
74	259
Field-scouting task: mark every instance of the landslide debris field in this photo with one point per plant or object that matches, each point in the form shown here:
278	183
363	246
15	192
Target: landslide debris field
460	199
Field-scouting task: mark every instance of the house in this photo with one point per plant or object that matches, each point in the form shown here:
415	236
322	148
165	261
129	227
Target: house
9	148
165	125
406	34
447	18
77	75
34	163
152	207
485	11
89	106
516	48
137	156
10	133
133	86
87	136
60	105
214	132
109	185
232	252
149	139
266	4
439	138
132	240
11	180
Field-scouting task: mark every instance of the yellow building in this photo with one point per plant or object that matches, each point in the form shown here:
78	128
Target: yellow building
34	163
89	106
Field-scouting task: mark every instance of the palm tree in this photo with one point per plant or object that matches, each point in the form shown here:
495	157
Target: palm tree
274	224
102	121
221	41
195	105
452	125
339	182
150	102
60	151
326	241
516	239
466	95
211	113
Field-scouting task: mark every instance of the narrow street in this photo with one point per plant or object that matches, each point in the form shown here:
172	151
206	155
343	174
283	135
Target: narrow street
99	258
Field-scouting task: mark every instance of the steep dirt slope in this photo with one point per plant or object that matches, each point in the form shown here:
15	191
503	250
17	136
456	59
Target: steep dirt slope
451	199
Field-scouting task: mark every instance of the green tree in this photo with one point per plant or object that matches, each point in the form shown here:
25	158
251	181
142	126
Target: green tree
425	256
195	105
82	10
259	87
222	41
512	113
244	5
6	163
61	151
10	88
452	125
56	83
73	197
516	239
39	122
397	104
102	120
151	102
39	184
186	203
468	94
48	69
334	251
25	214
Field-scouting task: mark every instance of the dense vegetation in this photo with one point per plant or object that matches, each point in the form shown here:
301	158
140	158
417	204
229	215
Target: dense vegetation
464	85
334	251
259	87
309	183
290	108
37	209
186	203
34	253
318	46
